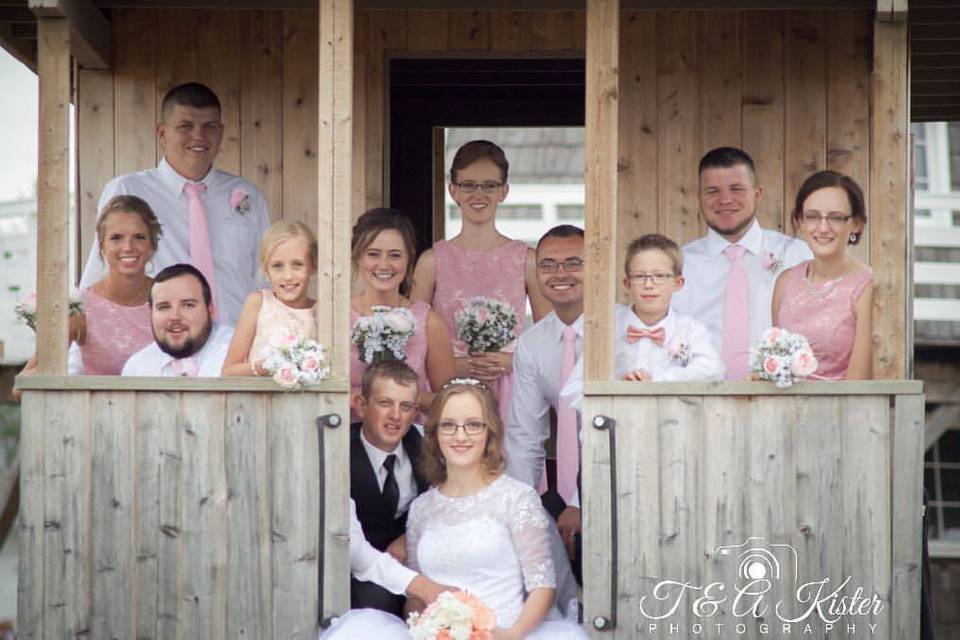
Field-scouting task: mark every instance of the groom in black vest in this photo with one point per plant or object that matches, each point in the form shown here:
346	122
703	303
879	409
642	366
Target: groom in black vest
384	478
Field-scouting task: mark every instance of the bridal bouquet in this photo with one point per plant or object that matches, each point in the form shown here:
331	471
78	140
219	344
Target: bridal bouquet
783	357
26	311
486	324
294	361
453	616
383	335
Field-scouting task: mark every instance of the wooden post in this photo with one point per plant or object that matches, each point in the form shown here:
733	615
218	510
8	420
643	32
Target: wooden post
53	193
334	151
888	198
603	29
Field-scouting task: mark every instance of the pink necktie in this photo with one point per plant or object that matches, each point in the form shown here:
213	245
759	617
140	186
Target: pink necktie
201	254
186	367
736	316
635	335
568	441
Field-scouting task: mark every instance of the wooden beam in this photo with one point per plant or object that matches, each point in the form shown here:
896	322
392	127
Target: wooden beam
335	160
92	39
889	195
892	10
22	49
943	418
53	193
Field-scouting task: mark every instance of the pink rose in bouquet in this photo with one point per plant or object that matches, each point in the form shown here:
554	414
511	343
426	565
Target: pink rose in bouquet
804	363
286	376
771	365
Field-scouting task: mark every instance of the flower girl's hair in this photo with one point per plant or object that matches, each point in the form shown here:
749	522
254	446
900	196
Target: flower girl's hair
284	230
432	464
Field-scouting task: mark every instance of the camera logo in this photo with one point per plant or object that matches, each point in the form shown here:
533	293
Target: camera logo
760	560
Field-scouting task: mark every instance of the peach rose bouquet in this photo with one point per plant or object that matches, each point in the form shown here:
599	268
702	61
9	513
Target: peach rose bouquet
782	357
453	615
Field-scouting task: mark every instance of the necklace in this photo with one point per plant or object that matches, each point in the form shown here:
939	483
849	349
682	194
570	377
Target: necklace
826	290
110	293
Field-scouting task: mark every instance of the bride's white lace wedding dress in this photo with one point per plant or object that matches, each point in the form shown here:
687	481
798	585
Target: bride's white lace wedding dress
494	544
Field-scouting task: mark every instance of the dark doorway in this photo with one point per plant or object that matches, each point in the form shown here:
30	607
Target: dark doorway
497	92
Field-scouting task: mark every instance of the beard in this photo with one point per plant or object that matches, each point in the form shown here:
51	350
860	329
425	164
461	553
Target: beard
188	348
736	231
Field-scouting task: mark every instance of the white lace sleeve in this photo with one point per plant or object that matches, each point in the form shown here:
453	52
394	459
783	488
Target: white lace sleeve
529	530
414	529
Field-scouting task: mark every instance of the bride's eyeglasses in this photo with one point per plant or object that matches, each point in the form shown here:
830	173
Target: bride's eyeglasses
450	428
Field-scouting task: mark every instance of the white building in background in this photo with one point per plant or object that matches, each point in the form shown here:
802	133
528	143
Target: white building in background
18	247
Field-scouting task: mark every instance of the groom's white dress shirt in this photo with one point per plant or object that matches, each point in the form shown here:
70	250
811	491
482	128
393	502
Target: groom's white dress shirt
369	565
153	361
537	367
705	268
234	235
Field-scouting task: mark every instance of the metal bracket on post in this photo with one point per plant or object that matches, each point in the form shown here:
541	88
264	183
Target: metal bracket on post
328	421
608	424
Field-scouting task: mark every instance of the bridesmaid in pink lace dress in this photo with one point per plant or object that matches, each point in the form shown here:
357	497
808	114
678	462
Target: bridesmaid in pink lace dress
480	261
829	299
115	322
383	247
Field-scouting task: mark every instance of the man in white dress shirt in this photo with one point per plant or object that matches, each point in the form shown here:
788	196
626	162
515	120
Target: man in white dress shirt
537	372
729	194
187	342
235	212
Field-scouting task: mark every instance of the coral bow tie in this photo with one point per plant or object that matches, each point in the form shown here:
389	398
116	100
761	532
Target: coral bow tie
634	335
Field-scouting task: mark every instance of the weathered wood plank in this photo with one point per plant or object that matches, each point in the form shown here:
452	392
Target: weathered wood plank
135	88
602	113
889	192
53	194
32	560
637	178
246	446
68	579
300	124
219	68
679	149
553	30
295	517
468	30
426	30
116	383
848	105
805	388
596	468
112	501
805	132
336	527
204	516
907	504
720	79
384	33
177	52
763	109
95	138
261	109
511	31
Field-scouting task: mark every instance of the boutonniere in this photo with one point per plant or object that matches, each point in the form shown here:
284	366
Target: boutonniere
240	201
679	350
771	261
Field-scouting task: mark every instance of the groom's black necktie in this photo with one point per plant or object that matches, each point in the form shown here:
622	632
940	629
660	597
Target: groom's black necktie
391	490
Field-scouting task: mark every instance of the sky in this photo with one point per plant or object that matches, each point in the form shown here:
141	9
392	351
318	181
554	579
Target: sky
18	129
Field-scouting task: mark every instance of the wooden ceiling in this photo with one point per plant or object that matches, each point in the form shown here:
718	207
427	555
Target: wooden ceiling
934	32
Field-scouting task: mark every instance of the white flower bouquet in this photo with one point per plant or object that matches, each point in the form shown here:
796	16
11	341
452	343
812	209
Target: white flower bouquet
26	311
453	616
782	357
294	362
486	324
383	335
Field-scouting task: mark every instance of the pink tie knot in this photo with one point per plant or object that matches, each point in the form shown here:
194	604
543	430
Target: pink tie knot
734	252
569	335
194	189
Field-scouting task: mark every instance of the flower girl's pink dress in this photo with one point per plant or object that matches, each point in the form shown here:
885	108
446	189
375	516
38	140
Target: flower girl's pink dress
498	273
825	314
277	320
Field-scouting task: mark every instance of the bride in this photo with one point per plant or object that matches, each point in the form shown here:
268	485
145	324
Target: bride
476	529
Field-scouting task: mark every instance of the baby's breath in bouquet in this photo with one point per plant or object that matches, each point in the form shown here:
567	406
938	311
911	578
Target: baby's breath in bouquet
383	335
486	324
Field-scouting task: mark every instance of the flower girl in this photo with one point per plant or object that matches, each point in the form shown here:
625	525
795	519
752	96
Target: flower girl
829	299
288	257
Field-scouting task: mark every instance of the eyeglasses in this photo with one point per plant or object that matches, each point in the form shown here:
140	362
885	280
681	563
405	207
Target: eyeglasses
835	220
552	266
450	428
469	187
655	278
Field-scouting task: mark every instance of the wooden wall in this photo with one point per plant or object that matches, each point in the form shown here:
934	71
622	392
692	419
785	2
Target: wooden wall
799	90
832	469
165	508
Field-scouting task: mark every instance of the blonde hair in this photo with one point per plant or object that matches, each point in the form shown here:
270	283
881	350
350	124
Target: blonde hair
284	230
135	206
657	242
432	464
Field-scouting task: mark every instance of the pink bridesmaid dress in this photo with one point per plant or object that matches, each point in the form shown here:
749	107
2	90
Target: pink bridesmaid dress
825	314
114	333
416	351
498	273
